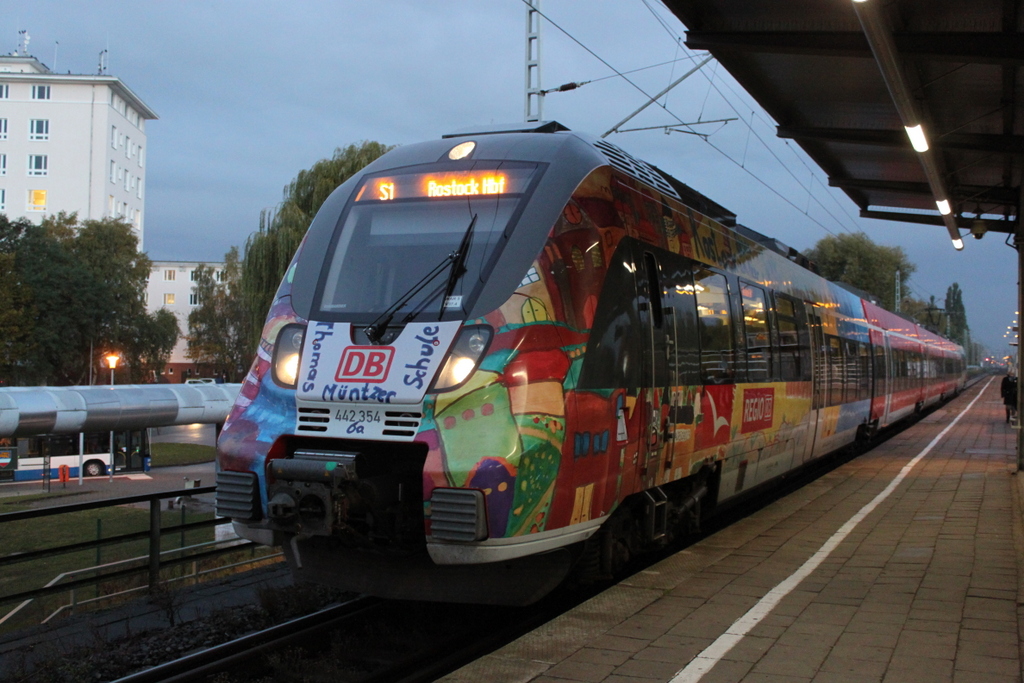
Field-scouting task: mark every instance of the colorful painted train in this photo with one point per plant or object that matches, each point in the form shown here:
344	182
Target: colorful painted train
518	352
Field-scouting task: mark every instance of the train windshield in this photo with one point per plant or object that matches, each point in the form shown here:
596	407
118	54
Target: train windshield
402	229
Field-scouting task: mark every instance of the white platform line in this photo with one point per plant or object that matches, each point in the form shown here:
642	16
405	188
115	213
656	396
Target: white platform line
711	655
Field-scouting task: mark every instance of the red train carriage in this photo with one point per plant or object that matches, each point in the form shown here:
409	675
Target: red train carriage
510	353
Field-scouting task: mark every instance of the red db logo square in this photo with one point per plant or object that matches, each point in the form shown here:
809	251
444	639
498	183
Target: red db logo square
365	364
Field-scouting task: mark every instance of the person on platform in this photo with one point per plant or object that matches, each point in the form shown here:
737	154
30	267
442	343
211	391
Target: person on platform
1008	389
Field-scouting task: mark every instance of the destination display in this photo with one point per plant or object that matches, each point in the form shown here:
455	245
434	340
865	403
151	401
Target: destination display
445	185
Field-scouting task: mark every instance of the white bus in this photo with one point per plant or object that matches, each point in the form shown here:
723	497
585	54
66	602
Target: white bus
40	457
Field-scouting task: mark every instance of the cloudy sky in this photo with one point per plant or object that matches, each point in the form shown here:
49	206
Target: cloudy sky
250	93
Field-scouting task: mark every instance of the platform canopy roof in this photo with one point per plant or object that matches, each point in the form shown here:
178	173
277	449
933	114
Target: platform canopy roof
845	79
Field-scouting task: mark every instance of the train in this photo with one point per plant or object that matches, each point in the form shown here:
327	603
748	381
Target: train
518	354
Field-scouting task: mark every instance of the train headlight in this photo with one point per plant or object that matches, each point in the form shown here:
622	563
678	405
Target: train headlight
287	352
469	348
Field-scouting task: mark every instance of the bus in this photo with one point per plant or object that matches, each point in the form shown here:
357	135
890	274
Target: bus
41	457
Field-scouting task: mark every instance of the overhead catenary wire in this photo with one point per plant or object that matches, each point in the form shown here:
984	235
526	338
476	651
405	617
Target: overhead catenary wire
680	122
807	186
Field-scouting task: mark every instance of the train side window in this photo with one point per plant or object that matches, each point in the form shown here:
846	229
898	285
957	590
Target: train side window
864	359
715	324
681	325
654	290
755	333
794	340
614	351
834	348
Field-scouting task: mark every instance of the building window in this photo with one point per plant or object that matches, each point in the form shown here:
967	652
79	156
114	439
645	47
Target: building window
138	189
127	147
3	164
169	299
113	172
40	92
193	299
5	91
3	129
110	205
127	180
37	164
39	129
113	137
192	276
36	200
170	275
140	157
219	276
3	200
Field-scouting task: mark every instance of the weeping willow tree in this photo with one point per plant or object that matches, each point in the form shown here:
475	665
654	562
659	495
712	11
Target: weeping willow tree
269	251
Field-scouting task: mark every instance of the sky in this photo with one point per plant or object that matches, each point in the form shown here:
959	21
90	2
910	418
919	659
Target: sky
249	93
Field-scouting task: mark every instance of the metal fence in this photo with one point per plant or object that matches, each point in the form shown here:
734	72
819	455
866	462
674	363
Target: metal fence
149	564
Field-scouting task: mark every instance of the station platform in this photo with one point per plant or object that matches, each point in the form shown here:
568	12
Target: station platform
904	565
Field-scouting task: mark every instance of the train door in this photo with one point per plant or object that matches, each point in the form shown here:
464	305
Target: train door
819	376
659	347
879	378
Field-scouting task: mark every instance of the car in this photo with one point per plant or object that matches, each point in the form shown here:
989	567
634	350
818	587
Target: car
201	380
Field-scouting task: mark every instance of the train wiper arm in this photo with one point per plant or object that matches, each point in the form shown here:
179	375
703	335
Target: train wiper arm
458	267
375	330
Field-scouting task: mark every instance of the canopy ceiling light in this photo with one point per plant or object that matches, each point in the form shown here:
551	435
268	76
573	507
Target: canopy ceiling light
883	47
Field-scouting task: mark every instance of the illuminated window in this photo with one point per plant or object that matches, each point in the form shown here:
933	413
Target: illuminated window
37	164
3	129
755	329
169	299
36	200
40	92
169	275
39	129
3	164
5	92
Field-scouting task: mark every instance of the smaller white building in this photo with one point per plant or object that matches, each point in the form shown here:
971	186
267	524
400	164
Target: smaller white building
172	286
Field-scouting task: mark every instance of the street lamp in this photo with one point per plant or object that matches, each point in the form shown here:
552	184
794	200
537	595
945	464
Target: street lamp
112	360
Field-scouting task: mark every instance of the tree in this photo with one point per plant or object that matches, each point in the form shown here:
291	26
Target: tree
958	328
217	327
269	251
78	288
17	317
857	260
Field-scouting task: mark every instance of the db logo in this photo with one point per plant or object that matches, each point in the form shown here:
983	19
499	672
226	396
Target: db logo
365	364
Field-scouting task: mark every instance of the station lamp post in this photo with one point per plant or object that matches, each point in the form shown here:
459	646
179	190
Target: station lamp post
112	360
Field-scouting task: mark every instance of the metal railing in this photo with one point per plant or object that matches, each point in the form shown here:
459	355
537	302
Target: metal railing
150	564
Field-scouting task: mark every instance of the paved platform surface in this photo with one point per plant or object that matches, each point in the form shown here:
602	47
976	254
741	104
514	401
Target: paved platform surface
834	583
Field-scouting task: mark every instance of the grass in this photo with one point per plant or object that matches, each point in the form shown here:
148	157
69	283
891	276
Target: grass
76	527
171	454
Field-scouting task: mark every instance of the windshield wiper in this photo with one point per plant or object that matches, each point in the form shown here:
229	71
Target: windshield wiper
375	330
458	267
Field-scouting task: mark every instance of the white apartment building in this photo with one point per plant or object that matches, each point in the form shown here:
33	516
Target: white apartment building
70	143
172	286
